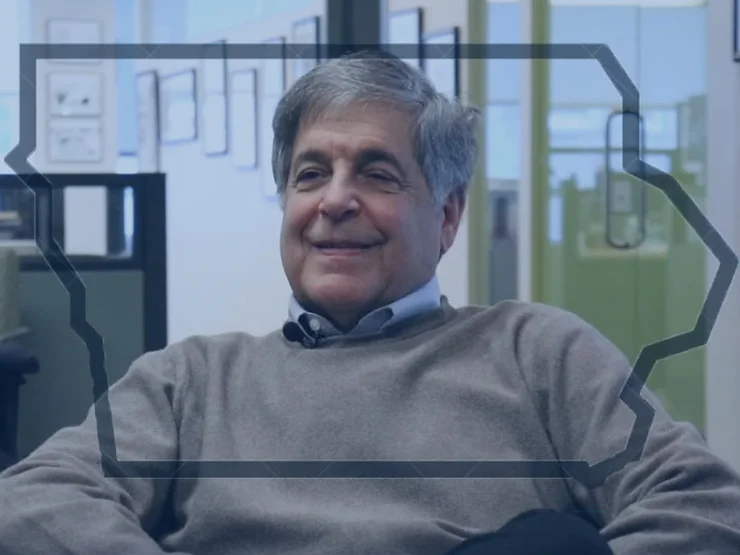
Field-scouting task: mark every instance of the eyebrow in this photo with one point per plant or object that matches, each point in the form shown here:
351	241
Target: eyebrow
365	157
312	155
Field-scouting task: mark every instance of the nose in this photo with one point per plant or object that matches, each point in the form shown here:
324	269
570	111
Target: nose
339	197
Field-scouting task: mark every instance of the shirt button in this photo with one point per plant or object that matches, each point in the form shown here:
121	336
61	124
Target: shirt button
314	324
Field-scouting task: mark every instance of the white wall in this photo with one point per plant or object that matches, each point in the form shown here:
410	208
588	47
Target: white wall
9	51
224	268
723	210
9	39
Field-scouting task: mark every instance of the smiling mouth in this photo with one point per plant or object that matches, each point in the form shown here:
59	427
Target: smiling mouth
343	248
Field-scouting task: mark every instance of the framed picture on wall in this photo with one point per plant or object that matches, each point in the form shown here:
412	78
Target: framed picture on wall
75	94
147	121
272	83
306	37
71	31
215	105
405	28
213	68
75	140
272	76
178	115
443	66
243	118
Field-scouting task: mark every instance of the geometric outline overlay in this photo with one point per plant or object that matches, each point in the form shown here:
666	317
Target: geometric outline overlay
589	475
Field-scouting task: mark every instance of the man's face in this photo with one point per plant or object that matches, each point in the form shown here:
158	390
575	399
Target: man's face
360	227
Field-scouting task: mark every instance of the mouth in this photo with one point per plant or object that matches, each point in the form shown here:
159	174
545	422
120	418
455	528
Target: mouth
343	248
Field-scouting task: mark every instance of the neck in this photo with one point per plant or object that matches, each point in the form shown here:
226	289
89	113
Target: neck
340	317
408	327
345	317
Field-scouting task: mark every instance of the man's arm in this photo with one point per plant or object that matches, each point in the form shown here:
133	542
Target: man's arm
678	497
57	500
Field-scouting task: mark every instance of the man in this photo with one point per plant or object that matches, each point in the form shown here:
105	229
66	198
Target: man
375	367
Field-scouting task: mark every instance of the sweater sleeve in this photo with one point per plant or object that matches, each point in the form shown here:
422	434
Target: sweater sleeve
676	497
57	500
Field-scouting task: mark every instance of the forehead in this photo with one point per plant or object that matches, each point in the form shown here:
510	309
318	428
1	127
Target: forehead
350	130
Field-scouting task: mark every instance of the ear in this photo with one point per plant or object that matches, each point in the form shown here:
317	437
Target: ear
452	213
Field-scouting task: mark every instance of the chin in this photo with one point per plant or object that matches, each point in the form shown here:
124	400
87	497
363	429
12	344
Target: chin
338	290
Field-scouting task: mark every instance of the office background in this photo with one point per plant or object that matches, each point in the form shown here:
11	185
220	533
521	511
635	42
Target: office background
536	227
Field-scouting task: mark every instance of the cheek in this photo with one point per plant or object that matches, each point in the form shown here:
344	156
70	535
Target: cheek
295	220
417	233
297	215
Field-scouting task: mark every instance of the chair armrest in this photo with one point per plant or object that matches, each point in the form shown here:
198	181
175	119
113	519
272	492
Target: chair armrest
16	360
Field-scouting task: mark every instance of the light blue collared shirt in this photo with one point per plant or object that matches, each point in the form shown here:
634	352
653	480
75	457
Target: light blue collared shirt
423	299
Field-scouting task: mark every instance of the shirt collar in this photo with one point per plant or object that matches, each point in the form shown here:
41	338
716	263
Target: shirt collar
423	299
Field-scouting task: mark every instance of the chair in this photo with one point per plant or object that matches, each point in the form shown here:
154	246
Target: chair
15	363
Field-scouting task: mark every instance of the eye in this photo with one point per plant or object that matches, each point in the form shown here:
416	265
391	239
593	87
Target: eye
380	176
307	175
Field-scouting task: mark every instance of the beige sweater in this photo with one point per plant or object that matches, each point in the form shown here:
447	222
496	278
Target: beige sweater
515	383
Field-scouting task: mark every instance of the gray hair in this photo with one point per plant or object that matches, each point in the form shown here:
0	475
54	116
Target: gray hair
443	131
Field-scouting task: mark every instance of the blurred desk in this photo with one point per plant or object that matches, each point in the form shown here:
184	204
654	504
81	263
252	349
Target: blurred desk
15	363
